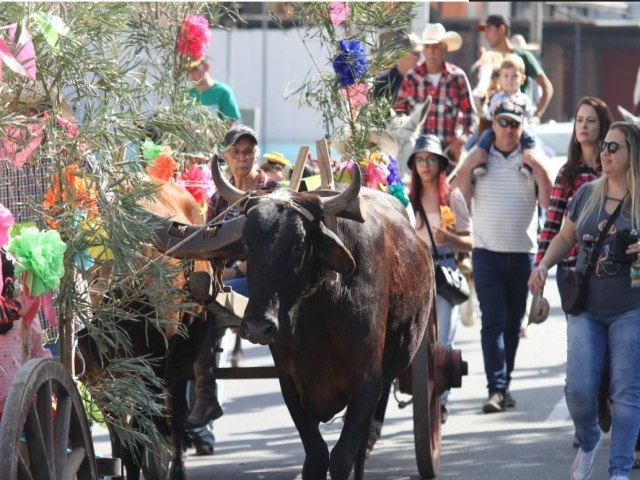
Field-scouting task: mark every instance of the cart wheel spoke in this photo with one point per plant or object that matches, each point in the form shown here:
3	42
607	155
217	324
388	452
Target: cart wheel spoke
44	404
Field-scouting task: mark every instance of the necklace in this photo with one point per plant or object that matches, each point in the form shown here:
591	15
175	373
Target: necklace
613	199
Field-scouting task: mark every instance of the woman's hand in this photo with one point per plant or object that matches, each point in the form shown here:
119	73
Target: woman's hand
634	248
537	279
440	236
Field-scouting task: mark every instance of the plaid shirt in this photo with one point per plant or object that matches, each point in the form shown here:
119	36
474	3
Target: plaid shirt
451	101
561	193
217	204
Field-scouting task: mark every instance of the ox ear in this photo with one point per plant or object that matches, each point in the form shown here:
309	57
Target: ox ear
332	253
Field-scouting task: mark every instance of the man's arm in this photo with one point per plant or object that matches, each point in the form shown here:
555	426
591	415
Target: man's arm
547	93
538	161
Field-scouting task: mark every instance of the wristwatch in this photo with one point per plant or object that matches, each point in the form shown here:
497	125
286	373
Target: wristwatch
236	268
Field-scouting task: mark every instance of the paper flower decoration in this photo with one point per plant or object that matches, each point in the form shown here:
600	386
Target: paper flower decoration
150	150
350	63
163	167
195	183
447	218
6	222
356	95
73	188
18	144
51	26
338	12
193	39
40	255
19	55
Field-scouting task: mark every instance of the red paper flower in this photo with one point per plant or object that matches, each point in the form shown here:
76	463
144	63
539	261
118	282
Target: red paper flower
195	182
193	40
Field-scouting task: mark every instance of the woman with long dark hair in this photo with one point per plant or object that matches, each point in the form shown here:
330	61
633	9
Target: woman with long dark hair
445	211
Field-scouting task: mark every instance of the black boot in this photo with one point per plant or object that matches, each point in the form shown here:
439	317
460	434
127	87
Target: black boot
206	407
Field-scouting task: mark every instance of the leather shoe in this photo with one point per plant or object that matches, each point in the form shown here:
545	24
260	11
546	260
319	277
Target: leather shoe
494	404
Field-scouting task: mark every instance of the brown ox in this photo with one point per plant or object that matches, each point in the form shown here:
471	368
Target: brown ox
334	344
175	353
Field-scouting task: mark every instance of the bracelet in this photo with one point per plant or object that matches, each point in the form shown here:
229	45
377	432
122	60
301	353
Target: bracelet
236	269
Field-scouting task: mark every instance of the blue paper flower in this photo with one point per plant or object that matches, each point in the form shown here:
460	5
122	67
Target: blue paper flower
350	63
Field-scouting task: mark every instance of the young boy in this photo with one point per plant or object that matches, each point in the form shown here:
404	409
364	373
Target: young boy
511	78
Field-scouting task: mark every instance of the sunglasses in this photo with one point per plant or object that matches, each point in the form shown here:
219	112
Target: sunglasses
504	123
430	160
611	147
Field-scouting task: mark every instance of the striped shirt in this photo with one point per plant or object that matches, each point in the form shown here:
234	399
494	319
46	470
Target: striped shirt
561	193
504	206
451	105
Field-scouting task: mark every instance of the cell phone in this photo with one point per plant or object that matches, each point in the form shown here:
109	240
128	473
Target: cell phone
623	239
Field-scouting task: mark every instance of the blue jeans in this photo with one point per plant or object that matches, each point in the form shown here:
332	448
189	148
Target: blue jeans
501	288
447	316
590	340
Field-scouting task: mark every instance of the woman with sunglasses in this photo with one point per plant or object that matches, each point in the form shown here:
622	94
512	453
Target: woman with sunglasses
445	210
592	119
606	330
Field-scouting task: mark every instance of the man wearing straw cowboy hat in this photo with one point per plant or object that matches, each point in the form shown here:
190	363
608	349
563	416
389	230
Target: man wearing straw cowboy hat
452	109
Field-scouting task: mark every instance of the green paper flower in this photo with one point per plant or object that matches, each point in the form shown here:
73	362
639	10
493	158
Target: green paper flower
150	150
40	255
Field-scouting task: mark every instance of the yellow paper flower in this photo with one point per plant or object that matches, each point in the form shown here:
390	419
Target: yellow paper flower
448	218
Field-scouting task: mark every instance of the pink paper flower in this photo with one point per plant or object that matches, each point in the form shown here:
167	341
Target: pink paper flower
338	12
193	39
6	222
356	95
17	144
23	49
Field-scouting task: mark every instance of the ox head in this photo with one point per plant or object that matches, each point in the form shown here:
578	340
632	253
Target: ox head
405	129
287	247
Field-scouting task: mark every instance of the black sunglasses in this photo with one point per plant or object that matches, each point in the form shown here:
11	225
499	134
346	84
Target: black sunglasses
611	147
504	123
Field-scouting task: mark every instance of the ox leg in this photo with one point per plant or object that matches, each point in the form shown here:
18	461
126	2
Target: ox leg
178	414
316	462
352	445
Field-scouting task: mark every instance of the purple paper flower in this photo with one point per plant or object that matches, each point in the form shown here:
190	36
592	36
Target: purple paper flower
350	63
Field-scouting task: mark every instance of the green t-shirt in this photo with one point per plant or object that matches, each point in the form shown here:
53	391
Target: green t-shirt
532	69
220	97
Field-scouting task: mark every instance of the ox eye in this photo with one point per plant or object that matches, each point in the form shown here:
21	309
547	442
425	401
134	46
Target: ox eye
297	255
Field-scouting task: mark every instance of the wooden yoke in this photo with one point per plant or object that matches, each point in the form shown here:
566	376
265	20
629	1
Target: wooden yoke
298	168
326	183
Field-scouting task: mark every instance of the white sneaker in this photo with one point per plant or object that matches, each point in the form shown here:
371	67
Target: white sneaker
582	467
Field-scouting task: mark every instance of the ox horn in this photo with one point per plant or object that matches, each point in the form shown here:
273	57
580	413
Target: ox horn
334	205
230	193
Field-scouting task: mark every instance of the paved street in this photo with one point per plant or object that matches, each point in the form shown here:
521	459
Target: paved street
257	440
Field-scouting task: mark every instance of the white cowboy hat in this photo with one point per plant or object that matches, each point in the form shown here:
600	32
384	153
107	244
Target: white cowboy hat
435	33
519	41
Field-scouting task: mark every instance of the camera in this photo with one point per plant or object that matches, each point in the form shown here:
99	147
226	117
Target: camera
622	241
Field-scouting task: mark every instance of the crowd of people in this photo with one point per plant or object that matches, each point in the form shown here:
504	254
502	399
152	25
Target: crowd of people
487	206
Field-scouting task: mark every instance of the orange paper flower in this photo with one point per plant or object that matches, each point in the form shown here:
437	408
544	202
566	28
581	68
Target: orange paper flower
71	186
163	167
447	218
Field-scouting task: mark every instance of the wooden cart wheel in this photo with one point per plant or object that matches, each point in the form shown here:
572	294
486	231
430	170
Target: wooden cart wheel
44	433
426	406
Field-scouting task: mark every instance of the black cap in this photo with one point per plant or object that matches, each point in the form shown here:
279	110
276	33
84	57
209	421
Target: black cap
496	21
428	143
237	131
507	108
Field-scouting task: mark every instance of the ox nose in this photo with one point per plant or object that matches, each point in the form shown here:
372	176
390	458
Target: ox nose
258	330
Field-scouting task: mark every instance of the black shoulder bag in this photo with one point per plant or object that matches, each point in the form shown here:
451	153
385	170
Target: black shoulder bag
573	292
450	283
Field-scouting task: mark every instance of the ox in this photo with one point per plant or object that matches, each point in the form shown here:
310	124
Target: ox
175	353
334	344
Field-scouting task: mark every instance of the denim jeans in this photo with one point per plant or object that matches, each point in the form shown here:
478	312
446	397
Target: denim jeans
501	288
447	317
589	338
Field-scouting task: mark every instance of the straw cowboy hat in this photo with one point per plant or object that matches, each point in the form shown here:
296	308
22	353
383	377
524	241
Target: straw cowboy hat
32	95
435	33
519	41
